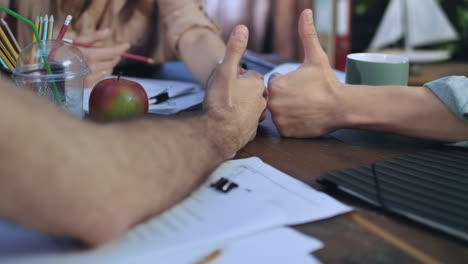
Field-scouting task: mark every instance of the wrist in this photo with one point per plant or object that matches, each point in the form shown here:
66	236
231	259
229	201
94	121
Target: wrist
343	113
358	106
220	136
382	108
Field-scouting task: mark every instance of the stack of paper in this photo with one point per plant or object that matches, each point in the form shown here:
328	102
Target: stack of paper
244	203
289	67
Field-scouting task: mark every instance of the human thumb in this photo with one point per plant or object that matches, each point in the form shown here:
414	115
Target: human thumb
235	49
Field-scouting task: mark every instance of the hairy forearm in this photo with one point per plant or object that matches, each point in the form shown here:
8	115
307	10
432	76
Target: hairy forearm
411	111
201	50
91	181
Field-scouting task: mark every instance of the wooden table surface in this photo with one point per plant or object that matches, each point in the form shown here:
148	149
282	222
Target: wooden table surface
369	234
424	73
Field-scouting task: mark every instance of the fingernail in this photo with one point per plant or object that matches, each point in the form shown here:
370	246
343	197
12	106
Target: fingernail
241	32
309	18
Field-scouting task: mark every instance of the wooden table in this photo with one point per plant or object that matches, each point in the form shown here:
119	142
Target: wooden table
369	234
424	73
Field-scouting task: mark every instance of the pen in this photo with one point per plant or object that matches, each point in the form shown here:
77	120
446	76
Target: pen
160	98
125	55
210	257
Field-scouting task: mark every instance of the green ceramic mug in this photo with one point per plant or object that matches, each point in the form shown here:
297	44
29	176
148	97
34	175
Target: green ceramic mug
377	69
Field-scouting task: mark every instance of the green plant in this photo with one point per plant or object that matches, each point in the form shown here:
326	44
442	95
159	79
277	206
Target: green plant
457	12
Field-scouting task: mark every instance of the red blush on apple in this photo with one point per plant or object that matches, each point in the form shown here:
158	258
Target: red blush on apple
116	99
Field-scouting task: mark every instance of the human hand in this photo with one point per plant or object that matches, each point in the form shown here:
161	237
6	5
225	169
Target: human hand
305	102
101	61
234	97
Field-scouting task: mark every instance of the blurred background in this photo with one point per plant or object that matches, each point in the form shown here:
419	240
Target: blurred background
350	26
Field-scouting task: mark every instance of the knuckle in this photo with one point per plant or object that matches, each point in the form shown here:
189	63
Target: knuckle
273	106
285	130
274	87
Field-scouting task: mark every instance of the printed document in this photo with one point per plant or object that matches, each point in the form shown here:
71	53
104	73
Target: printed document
240	198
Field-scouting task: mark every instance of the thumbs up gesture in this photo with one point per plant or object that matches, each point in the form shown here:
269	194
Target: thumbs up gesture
306	102
234	98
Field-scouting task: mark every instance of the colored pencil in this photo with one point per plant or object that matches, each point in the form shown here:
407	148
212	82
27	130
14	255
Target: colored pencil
41	24
64	27
45	28
7	54
10	35
6	60
36	23
7	44
51	27
3	63
125	55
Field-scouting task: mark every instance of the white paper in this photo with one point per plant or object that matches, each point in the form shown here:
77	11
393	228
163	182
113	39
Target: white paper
280	245
182	95
265	198
276	246
298	201
289	67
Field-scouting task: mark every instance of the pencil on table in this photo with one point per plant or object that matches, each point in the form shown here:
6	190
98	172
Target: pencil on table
10	35
125	55
51	27
45	28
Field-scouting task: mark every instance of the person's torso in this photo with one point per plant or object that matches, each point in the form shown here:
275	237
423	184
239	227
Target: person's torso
133	21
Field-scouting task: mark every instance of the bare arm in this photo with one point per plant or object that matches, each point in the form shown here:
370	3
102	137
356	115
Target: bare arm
93	182
201	49
192	35
411	111
311	102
